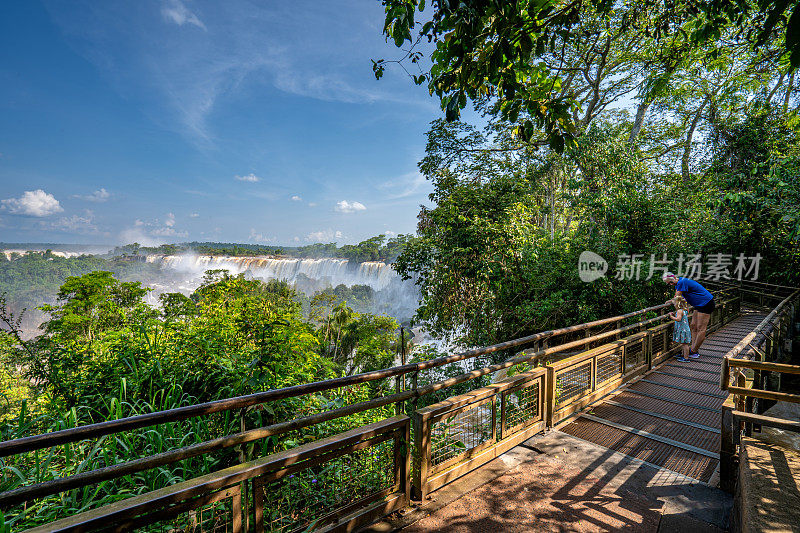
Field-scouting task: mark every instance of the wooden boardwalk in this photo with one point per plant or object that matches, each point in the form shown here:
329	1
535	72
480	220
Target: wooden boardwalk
670	417
587	474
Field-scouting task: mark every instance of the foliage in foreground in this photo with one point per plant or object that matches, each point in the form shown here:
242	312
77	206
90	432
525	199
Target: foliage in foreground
106	354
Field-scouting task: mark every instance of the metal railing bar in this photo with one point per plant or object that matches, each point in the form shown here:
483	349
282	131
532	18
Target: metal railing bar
685	389
765	395
651	436
671	400
663	416
691	378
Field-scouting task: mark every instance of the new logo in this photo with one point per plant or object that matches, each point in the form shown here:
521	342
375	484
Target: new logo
591	266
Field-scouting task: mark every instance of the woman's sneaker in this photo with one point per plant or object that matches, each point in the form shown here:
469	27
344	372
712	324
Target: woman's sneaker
694	355
681	358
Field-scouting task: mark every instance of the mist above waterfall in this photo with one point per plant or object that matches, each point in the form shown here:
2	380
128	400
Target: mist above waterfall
393	296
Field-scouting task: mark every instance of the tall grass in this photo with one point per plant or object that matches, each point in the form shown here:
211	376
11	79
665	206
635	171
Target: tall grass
73	458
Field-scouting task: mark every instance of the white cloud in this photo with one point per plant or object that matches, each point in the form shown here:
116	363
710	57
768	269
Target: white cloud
76	223
296	198
131	235
390	233
312	204
143	232
243	43
194	215
259	237
175	11
251	178
324	235
100	195
406	185
33	203
169	232
349	207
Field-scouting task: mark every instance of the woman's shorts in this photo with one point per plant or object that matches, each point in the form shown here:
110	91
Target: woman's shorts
707	308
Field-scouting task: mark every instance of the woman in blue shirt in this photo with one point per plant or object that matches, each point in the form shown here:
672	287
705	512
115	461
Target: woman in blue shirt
699	298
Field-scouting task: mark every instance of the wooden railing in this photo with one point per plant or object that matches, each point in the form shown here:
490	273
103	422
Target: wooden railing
745	372
464	432
450	438
459	434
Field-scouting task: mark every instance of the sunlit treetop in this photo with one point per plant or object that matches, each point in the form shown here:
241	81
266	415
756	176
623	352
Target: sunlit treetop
495	50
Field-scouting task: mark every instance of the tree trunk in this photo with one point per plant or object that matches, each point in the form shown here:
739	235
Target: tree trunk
788	93
775	89
641	111
687	147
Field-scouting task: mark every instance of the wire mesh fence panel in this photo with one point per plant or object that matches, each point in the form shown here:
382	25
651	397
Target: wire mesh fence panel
609	366
635	355
316	494
82	456
218	512
573	382
469	429
657	342
599	342
521	407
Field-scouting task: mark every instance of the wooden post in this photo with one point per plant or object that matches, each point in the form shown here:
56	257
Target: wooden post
725	374
243	485
728	448
407	462
550	396
400	406
503	408
494	418
648	345
745	403
414	377
422	455
624	350
402	460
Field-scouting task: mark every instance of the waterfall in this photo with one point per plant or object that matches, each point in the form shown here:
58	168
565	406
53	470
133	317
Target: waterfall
329	271
10	253
393	295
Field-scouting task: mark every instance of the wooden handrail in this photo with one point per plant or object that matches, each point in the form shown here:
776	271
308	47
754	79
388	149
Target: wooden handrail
46	440
759	365
143	503
769	421
55	486
758	331
765	394
138	465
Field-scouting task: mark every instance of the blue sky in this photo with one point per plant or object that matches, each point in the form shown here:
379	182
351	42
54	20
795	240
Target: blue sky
177	120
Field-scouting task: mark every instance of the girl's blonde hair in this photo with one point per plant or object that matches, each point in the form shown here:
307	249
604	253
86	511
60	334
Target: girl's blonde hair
681	303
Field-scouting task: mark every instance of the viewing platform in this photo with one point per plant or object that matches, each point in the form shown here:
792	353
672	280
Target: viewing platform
619	435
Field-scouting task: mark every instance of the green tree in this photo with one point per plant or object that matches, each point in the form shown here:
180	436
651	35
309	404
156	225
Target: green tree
503	51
